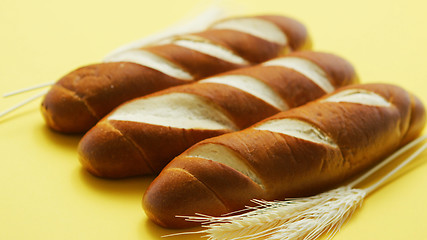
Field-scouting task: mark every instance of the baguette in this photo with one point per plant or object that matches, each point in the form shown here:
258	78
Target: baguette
142	135
296	153
81	98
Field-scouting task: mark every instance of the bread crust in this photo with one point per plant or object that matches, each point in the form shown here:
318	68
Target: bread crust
161	143
81	98
362	134
242	43
96	89
300	37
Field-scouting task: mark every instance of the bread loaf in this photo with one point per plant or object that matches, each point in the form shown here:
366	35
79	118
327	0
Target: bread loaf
81	98
142	135
296	153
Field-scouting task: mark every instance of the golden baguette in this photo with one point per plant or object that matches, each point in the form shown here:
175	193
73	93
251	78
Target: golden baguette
81	98
296	153
142	135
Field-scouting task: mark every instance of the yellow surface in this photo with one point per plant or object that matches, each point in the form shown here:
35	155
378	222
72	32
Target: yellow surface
44	193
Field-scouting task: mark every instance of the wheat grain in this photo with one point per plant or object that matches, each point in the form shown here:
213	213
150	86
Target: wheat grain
300	218
335	207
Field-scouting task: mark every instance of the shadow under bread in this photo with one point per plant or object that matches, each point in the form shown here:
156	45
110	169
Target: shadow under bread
68	141
125	186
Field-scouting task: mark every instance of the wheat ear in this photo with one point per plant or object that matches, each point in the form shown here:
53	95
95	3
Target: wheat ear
300	218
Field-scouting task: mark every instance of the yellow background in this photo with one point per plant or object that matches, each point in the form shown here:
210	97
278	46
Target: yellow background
44	193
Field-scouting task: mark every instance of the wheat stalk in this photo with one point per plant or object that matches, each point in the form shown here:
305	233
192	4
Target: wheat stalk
206	15
191	24
300	218
22	103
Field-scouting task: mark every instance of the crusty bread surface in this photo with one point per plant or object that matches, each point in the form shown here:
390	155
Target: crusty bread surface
162	125
299	152
77	101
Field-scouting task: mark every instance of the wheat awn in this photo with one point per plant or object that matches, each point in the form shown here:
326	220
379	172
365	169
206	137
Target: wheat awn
300	218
